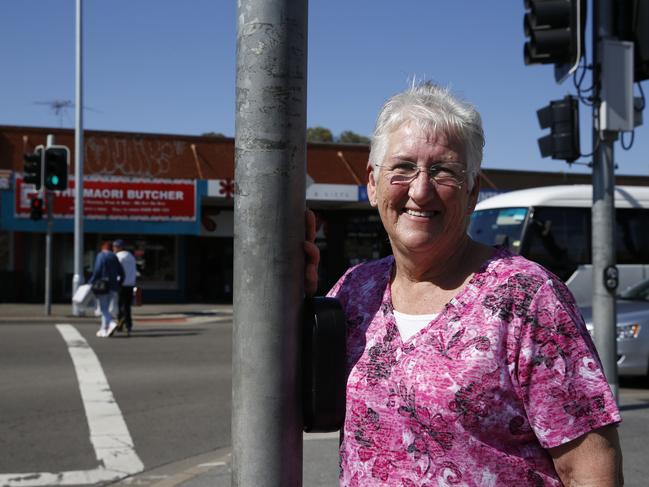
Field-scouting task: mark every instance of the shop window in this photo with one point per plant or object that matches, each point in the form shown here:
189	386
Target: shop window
155	257
4	251
364	235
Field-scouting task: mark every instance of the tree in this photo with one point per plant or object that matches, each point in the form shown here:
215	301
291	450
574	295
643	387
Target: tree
322	134
319	134
213	134
349	137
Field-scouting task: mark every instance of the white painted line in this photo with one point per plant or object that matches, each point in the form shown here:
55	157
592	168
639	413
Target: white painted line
211	464
109	435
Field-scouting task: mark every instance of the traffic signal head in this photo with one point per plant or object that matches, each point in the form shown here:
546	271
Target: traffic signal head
632	24
562	118
36	209
556	31
55	167
33	167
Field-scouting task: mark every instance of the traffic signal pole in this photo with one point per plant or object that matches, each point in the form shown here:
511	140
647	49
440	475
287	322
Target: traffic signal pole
270	172
48	241
603	211
555	30
78	278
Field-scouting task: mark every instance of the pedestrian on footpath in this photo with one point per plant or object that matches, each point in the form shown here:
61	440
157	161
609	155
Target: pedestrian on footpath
109	271
127	261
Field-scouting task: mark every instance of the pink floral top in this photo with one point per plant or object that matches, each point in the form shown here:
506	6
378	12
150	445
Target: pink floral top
506	370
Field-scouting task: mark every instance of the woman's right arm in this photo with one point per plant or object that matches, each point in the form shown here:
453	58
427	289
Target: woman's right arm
312	255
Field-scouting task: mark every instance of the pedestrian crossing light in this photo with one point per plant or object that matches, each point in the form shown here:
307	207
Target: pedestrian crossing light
32	172
36	209
55	167
555	29
562	118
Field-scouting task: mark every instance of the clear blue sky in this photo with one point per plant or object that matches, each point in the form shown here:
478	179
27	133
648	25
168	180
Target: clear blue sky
168	66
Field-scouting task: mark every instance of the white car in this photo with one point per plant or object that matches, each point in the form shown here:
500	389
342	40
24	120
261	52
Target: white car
632	329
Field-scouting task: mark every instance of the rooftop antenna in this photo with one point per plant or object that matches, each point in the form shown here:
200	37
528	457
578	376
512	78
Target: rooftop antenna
60	108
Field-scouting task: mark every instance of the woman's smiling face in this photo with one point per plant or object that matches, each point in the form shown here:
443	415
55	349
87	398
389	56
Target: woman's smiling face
422	215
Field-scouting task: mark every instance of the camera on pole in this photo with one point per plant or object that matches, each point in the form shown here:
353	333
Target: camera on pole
556	31
33	168
562	118
55	167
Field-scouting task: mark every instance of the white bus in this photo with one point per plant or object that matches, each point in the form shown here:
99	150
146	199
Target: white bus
552	226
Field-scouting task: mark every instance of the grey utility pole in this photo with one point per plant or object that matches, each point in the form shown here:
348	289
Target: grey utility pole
603	212
78	278
49	202
270	157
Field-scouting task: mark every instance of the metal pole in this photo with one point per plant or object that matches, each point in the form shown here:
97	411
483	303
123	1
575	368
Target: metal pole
603	212
78	277
49	197
270	155
49	201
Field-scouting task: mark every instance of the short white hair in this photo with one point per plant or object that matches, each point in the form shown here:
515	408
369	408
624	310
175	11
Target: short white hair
433	109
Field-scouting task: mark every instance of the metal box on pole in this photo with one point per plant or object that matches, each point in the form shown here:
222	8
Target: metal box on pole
616	110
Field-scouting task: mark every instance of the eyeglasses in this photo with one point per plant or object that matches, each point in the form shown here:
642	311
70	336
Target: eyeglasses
445	174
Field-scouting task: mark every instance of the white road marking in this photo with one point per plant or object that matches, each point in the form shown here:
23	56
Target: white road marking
109	434
211	464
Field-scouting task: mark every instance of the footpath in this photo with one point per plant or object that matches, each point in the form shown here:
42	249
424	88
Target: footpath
150	313
320	459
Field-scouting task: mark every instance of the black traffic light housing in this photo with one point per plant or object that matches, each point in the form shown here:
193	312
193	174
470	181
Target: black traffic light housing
36	209
55	167
556	34
562	118
632	24
33	168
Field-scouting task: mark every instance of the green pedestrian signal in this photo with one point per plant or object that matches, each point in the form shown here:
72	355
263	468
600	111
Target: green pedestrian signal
55	168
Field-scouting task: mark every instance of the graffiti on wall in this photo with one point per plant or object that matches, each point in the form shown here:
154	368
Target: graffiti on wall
135	157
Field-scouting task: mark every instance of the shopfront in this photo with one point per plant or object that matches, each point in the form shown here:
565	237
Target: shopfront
154	217
181	233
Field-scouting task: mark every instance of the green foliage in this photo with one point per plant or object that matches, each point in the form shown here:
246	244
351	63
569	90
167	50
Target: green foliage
213	134
322	134
319	134
349	137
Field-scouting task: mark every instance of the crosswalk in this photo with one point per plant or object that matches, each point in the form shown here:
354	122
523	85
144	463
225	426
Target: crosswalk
109	435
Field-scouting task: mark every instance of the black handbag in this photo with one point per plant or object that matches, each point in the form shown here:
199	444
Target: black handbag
100	286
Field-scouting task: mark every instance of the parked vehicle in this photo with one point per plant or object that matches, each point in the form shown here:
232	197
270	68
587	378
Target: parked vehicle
632	329
552	226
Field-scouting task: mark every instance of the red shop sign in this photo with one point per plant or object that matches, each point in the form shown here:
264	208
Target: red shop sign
119	199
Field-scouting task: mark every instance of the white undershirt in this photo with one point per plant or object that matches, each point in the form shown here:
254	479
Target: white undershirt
410	325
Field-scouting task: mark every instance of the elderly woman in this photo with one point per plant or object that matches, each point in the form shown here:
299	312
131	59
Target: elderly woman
467	365
108	269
